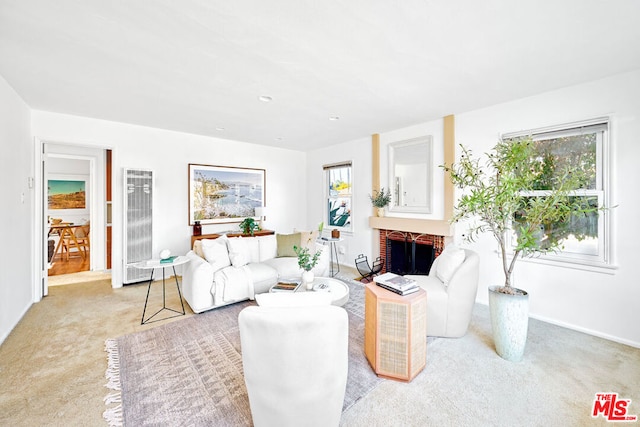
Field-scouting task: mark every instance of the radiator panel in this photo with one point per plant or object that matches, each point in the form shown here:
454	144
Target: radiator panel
138	222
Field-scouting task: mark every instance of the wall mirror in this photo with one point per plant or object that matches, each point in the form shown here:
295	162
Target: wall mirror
410	172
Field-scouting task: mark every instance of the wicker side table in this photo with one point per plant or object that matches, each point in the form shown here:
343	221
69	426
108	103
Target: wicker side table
395	332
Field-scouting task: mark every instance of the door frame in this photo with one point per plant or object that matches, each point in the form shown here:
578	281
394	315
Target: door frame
40	231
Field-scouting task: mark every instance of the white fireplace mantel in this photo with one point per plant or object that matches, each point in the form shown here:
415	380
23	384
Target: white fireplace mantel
412	225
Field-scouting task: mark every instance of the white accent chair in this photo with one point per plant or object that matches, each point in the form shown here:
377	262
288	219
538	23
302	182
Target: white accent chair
295	361
450	304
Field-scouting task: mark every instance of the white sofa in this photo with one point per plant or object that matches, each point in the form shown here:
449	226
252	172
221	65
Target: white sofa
225	270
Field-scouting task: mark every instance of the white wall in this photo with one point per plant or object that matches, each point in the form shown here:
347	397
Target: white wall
599	303
363	240
359	153
16	164
168	154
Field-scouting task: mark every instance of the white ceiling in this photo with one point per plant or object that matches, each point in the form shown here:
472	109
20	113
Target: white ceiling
197	65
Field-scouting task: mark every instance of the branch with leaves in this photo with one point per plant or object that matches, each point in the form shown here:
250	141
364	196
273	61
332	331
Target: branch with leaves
499	195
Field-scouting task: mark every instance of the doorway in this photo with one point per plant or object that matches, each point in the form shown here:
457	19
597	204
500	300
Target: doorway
75	215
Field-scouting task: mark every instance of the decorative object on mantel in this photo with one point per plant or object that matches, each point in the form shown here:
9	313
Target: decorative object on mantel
197	228
380	200
335	233
496	193
306	261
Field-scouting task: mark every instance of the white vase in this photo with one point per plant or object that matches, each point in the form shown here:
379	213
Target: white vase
307	279
380	212
509	323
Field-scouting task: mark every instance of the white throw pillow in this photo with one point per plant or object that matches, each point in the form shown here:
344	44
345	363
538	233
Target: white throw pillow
238	251
253	247
216	253
448	262
268	247
293	299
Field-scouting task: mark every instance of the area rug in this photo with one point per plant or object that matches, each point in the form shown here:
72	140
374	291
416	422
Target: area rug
189	372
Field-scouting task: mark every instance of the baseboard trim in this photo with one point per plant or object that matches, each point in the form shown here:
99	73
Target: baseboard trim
581	329
15	324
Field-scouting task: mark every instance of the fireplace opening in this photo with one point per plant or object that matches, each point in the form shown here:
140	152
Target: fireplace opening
407	254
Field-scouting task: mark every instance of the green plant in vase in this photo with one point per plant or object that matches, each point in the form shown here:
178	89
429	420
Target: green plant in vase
306	261
249	226
380	200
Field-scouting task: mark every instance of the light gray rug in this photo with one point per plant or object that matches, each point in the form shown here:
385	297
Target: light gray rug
189	372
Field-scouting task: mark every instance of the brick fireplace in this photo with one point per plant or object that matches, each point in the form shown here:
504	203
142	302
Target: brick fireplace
408	252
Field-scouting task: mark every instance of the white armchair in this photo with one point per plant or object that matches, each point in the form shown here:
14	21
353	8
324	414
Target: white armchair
295	363
450	303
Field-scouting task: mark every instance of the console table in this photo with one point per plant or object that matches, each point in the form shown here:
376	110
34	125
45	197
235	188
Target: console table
395	332
216	235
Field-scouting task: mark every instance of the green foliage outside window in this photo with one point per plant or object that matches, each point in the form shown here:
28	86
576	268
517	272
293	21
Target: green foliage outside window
501	193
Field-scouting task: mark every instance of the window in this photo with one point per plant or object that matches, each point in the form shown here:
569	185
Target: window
583	239
338	179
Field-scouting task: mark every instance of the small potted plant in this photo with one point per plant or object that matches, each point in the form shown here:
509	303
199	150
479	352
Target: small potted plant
380	199
307	261
249	226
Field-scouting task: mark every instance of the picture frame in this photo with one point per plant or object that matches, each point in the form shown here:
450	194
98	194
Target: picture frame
66	193
219	194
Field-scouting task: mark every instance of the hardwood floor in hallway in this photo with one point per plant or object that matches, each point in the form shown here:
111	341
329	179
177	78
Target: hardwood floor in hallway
75	264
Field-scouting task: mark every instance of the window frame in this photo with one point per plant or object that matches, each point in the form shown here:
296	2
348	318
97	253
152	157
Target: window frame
603	259
327	197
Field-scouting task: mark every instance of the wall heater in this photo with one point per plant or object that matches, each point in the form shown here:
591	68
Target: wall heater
138	222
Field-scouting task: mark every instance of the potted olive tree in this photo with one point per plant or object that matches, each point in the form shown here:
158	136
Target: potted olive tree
380	199
497	198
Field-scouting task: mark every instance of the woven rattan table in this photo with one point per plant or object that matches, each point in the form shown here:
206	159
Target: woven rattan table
395	332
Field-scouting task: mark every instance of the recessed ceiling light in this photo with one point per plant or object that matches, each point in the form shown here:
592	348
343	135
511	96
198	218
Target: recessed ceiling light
334	118
265	98
219	129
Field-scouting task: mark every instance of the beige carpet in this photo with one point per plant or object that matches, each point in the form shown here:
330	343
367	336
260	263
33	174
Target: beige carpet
52	370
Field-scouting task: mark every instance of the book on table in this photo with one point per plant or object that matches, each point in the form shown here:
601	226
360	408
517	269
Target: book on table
403	292
168	260
285	285
396	281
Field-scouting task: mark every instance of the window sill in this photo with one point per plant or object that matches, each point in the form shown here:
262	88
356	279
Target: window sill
575	264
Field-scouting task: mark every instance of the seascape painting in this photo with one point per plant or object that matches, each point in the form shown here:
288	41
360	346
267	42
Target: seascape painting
224	194
66	194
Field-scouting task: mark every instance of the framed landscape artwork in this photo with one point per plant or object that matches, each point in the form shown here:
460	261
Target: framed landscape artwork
224	194
66	194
